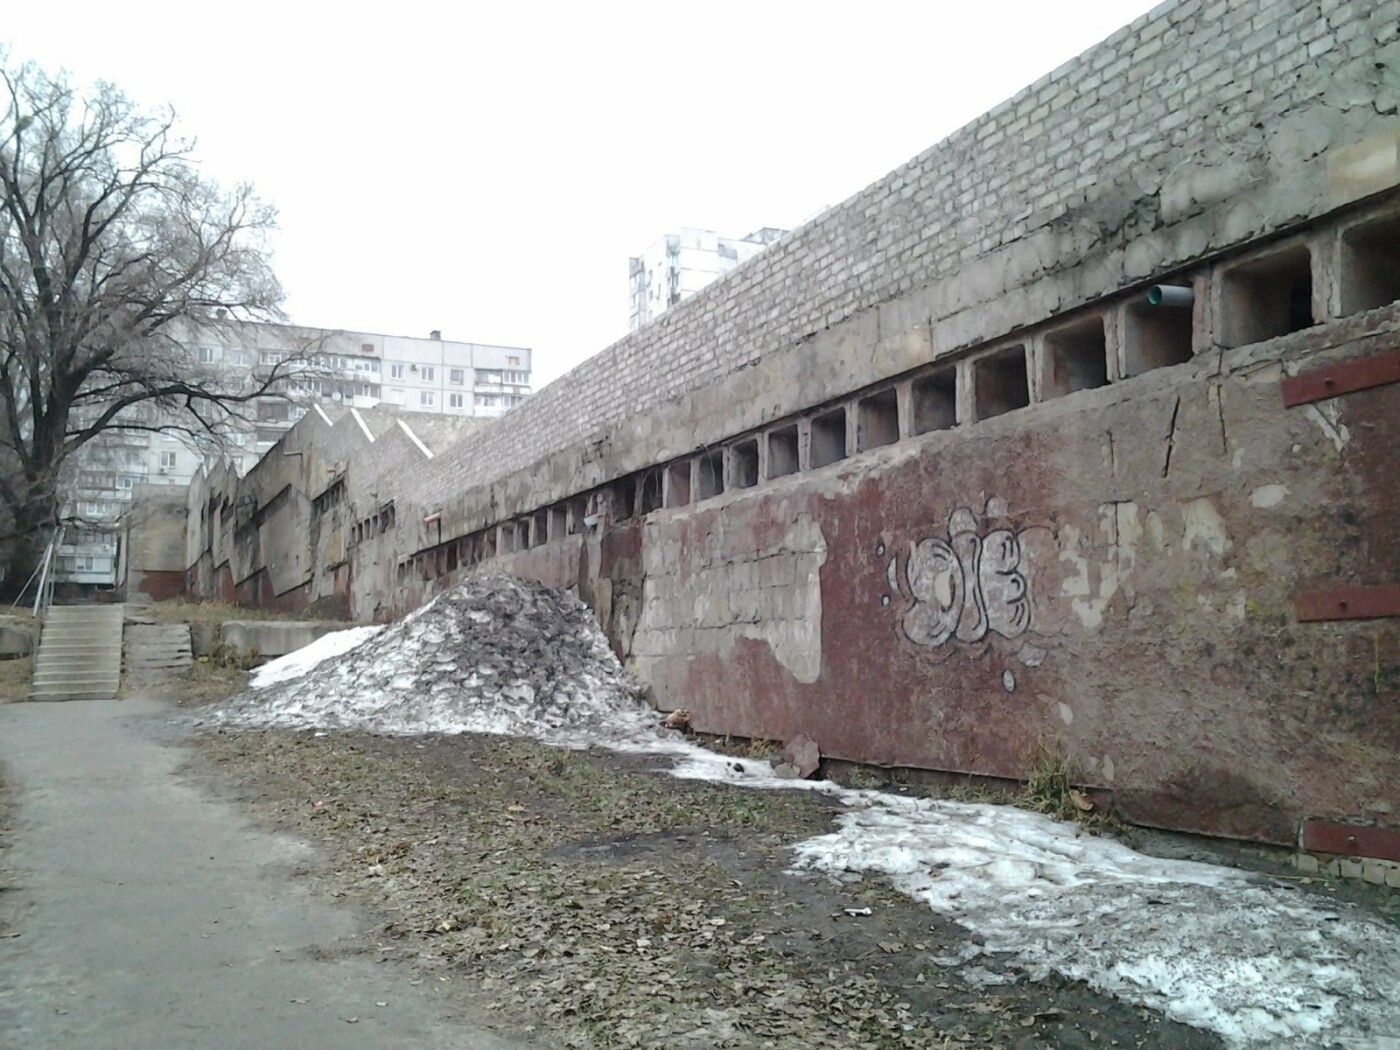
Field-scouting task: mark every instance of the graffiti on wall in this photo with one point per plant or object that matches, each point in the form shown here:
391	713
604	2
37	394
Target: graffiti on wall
966	586
970	587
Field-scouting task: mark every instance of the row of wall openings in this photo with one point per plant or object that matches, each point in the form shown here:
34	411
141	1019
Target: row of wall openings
1261	298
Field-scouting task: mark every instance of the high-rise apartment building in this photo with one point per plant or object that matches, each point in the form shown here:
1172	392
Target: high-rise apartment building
680	264
356	369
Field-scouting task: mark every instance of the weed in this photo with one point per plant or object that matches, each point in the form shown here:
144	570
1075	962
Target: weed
866	777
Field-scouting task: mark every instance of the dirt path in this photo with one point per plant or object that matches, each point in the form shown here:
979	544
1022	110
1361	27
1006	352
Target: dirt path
585	898
141	912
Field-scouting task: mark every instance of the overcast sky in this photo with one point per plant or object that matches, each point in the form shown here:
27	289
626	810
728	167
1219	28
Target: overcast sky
487	168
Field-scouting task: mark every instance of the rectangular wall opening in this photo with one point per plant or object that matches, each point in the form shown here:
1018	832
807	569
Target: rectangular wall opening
1156	336
624	499
1267	298
745	464
651	491
558	522
451	565
877	420
1000	382
578	510
1076	358
540	533
1370	265
522	534
935	401
678	484
506	541
488	544
782	451
828	438
709	474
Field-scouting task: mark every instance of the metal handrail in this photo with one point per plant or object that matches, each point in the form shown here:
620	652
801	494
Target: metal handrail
43	597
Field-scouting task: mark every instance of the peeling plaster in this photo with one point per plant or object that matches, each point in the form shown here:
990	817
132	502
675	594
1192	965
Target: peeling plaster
1266	496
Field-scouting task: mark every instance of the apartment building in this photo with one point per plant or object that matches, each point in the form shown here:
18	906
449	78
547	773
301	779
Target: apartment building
352	369
680	264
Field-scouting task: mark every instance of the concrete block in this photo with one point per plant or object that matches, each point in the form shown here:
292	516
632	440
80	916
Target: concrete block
271	638
16	637
1306	863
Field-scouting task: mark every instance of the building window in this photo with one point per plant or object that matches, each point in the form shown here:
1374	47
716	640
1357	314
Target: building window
239	439
518	378
207	355
512	361
369	390
492	377
428	374
124	481
427	398
167	460
396	371
457	376
454	400
488	400
363	364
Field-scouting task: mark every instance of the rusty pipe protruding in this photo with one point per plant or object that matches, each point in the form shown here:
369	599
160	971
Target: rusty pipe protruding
1170	295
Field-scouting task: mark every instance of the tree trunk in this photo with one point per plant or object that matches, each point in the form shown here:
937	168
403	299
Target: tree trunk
33	527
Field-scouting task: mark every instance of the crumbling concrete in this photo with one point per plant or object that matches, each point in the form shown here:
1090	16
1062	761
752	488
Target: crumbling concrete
934	482
270	638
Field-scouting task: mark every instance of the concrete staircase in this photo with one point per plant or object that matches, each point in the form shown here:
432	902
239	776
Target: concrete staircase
158	648
80	653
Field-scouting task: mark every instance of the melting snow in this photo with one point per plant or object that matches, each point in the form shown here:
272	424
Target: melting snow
1260	963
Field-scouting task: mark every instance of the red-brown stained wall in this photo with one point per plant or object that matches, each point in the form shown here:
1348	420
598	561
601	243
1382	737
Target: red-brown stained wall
1157	648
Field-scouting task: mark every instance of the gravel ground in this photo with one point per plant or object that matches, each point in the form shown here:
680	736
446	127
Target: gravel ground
587	901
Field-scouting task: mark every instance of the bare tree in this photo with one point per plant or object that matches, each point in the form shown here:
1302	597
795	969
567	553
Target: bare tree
114	253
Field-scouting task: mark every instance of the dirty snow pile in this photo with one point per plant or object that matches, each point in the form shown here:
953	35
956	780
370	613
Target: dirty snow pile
495	654
1258	962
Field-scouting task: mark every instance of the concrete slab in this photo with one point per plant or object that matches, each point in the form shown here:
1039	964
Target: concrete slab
270	638
150	914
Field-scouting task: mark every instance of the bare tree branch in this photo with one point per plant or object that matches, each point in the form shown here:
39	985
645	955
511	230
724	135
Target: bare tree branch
116	258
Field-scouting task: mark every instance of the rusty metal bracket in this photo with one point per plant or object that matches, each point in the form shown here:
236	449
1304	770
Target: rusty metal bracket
1351	840
1344	377
1348	603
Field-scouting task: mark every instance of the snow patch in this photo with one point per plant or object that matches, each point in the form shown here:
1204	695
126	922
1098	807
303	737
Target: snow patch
309	657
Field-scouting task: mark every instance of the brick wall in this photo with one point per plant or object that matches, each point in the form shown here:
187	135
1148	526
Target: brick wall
1199	127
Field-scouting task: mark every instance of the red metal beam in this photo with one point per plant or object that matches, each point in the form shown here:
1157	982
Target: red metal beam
1351	840
1348	603
1344	377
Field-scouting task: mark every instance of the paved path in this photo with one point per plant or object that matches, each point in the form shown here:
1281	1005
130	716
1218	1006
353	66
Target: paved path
153	917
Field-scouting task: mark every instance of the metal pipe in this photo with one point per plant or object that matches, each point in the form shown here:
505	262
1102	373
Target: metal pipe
1170	295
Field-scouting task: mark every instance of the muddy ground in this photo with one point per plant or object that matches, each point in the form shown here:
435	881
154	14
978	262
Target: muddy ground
586	900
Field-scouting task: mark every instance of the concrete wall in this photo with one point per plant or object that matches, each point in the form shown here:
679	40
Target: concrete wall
154	543
931	482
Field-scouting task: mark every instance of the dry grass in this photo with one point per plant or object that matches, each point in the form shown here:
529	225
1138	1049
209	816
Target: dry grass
181	610
14	679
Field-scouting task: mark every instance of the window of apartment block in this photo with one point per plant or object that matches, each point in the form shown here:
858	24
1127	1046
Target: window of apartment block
454	400
488	400
396	371
456	375
427	398
167	460
512	360
124	481
429	373
208	355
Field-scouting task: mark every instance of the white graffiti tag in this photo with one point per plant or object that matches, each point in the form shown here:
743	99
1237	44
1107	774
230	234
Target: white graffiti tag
966	586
